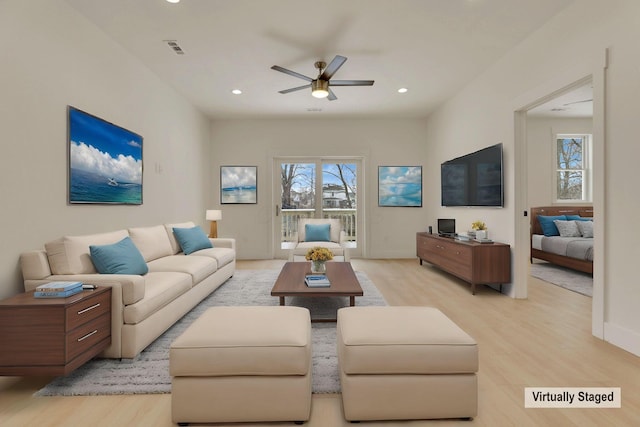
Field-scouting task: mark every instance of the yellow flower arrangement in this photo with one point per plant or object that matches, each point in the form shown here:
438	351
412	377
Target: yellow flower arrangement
478	225
318	253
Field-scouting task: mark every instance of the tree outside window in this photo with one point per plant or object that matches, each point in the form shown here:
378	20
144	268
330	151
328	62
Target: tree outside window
572	167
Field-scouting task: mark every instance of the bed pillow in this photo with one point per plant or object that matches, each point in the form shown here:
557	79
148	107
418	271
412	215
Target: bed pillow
567	228
578	218
586	228
119	258
548	227
192	239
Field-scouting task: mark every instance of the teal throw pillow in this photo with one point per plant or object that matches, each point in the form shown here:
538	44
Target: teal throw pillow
317	232
192	239
118	258
548	226
578	218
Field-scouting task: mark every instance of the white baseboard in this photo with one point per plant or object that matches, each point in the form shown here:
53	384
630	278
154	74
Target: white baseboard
621	337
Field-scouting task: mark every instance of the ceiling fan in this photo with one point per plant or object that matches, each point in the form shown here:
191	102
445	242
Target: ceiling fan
320	86
578	102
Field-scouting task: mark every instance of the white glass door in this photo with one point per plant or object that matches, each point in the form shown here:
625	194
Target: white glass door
315	188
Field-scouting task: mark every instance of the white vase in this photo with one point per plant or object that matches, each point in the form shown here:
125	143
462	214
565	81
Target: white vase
481	234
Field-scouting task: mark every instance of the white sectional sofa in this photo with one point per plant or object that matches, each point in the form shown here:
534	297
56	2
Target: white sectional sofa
143	306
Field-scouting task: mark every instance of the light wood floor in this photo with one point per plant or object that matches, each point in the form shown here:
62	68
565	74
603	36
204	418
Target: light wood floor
544	341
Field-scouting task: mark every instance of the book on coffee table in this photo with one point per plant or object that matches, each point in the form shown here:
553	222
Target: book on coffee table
317	281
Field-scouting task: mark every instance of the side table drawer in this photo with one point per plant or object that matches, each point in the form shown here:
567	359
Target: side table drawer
87	309
86	336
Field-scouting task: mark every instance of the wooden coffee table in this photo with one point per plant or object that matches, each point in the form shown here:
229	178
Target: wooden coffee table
344	283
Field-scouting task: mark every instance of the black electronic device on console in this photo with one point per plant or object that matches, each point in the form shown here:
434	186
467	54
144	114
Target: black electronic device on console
446	227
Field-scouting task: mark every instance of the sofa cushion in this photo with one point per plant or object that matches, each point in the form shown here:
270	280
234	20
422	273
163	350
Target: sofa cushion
153	242
223	256
317	232
199	267
309	245
191	239
175	246
160	290
70	254
122	257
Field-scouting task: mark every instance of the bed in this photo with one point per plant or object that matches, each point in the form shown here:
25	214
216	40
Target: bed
572	250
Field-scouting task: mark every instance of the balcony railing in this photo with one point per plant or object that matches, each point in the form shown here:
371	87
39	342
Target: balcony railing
290	218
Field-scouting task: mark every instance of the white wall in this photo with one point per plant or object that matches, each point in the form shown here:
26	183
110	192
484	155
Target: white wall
483	113
53	58
540	154
390	231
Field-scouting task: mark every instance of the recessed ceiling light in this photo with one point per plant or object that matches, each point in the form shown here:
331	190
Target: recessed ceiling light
403	90
236	91
173	1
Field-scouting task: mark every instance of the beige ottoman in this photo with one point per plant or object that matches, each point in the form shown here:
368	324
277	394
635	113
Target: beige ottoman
243	364
405	363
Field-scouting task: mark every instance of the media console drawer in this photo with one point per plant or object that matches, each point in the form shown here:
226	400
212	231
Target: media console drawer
473	262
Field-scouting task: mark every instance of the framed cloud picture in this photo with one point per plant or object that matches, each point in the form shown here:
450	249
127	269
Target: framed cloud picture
238	184
400	186
105	161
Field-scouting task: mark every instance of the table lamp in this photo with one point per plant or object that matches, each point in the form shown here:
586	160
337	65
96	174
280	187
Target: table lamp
214	216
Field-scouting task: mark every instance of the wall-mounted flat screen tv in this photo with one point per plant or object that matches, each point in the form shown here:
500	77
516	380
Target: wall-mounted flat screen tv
105	161
475	179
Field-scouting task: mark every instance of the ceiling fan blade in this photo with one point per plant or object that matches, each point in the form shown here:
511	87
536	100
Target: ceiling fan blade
351	83
291	73
333	66
293	89
578	102
332	96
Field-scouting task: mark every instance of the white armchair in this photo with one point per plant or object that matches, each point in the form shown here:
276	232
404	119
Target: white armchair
334	240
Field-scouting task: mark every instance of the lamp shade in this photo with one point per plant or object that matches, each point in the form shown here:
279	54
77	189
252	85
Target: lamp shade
214	215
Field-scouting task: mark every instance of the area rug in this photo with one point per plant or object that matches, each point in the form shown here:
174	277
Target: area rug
567	278
149	372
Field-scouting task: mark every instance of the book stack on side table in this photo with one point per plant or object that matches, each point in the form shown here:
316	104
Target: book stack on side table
317	281
57	289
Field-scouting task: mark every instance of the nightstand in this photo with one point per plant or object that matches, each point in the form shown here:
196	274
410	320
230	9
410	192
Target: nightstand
53	336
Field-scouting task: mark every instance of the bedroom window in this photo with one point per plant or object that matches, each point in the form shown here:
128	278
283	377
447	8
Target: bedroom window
573	168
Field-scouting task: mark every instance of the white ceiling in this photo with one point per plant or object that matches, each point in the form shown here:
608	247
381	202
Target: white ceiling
432	47
576	103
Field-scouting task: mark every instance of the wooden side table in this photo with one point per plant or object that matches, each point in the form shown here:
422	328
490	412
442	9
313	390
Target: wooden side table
53	336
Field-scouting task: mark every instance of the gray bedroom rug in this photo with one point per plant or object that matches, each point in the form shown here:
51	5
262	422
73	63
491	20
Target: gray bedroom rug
149	372
567	278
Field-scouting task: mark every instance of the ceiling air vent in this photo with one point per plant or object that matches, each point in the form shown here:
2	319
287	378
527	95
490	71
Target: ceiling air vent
174	45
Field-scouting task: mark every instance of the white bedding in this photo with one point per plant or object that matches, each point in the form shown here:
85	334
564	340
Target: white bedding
536	241
573	247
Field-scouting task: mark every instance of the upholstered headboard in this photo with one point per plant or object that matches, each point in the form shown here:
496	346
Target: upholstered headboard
586	211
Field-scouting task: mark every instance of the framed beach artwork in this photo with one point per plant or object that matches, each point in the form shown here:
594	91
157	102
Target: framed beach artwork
105	161
238	184
400	186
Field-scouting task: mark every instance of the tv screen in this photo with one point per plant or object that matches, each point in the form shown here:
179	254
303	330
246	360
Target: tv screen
446	226
474	180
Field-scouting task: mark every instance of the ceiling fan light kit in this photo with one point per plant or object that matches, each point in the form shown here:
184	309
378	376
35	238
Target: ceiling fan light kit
320	87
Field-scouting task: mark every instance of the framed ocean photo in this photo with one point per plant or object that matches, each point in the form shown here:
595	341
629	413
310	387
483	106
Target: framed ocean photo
238	184
400	186
105	161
